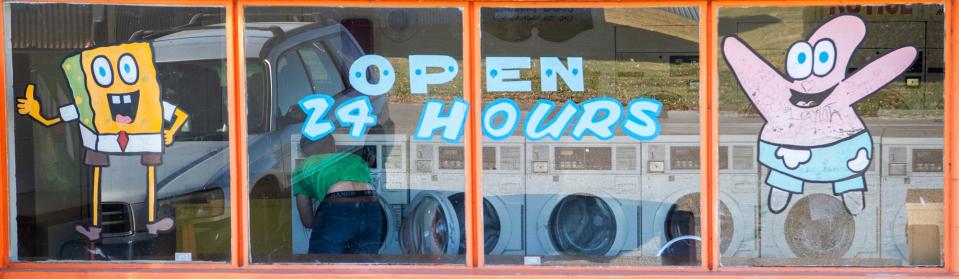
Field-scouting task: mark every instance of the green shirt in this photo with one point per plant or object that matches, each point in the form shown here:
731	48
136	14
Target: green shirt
316	174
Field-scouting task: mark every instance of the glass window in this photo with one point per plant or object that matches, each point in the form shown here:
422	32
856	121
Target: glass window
292	84
323	73
602	167
360	190
120	145
257	82
846	103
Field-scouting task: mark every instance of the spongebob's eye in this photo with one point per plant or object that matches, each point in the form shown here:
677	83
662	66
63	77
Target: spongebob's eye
102	71
128	68
825	57
799	60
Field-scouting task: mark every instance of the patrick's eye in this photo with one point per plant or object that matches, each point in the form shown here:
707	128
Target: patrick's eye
799	62
102	71
129	70
825	58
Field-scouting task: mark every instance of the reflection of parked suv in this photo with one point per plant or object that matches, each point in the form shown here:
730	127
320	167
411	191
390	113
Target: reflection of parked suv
284	63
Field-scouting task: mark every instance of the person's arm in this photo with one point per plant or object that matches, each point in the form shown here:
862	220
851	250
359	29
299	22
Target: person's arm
304	205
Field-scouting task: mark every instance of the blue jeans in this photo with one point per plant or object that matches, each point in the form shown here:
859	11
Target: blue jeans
347	228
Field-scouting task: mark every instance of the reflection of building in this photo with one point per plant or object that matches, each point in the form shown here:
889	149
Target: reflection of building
628	34
918	25
386	32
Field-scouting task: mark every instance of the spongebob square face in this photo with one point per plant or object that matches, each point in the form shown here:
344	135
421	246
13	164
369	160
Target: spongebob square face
123	92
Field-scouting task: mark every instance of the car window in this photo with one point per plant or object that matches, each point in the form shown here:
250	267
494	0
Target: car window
342	46
257	112
292	85
323	73
197	87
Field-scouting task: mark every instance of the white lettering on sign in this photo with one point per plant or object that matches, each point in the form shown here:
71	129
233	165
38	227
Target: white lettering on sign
500	119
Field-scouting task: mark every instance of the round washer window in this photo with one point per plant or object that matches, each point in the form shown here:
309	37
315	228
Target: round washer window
683	219
582	225
425	231
491	222
818	226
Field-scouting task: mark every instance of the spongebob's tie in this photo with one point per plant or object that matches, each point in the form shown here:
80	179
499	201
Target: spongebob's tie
123	139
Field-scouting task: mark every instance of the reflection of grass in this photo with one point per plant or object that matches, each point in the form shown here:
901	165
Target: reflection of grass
401	88
621	80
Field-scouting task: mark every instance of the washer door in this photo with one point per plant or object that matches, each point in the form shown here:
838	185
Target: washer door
430	227
491	223
582	225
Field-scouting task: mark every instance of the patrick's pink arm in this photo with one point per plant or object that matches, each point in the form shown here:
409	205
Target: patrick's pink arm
874	76
764	86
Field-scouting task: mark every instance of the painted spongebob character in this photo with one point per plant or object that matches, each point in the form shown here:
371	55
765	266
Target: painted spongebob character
116	99
812	132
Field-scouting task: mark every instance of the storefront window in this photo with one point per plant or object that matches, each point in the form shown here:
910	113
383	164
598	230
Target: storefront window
120	145
836	116
578	139
338	170
591	117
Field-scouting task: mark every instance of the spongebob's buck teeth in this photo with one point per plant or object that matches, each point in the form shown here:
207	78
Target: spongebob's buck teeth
121	99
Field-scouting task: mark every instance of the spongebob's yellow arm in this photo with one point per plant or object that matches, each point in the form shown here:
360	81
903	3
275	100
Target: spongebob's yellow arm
29	106
179	118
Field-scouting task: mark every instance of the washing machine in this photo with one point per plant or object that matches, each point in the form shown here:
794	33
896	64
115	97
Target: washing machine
912	217
671	192
583	199
386	157
816	229
739	197
435	222
671	188
504	195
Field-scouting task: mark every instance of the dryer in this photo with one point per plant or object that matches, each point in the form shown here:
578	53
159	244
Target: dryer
912	217
816	229
583	198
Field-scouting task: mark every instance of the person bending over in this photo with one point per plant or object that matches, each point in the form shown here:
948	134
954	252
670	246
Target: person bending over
349	218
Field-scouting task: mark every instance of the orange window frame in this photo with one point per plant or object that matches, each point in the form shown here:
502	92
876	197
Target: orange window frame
240	267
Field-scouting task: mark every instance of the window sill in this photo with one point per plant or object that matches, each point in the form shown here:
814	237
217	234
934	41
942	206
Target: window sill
490	272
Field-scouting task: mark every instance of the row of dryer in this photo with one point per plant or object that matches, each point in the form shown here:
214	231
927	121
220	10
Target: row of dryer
623	199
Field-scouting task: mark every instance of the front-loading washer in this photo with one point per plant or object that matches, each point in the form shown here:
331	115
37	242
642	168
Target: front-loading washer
817	229
582	198
912	217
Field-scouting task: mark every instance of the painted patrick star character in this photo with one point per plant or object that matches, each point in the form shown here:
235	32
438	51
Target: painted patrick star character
812	132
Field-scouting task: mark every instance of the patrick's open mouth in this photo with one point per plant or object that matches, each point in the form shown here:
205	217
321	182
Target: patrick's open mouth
808	100
123	107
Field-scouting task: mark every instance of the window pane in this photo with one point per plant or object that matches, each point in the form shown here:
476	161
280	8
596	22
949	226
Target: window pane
292	84
623	191
847	105
309	199
323	73
97	181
